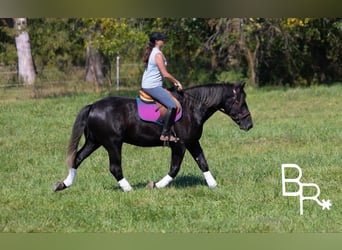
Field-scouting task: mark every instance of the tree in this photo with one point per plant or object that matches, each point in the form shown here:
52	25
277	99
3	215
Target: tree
249	42
57	43
300	51
223	43
187	36
26	71
96	69
268	51
95	59
8	52
233	49
187	58
107	38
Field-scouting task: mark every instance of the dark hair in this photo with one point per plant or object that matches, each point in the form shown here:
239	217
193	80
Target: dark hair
147	52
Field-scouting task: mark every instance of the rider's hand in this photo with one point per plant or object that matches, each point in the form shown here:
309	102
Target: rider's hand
179	86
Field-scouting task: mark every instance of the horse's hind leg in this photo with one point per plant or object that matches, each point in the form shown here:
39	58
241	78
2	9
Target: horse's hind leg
177	155
88	148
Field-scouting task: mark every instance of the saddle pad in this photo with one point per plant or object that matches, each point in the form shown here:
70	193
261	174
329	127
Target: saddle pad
150	112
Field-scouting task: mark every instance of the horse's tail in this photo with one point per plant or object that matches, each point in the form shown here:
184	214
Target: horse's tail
77	132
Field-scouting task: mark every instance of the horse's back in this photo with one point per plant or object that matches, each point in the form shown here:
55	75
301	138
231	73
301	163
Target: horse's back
110	109
113	101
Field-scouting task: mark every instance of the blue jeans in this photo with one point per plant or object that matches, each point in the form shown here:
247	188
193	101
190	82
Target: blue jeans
161	94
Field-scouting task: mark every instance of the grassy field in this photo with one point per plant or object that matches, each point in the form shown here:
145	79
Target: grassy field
301	126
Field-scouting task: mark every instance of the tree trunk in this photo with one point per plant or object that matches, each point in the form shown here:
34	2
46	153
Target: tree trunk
94	67
26	71
251	56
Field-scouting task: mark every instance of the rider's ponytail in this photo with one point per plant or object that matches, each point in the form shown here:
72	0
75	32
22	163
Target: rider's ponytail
147	52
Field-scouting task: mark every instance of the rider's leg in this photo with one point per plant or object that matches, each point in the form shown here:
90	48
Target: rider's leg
165	98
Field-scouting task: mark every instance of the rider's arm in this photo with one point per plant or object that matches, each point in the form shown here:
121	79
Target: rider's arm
160	63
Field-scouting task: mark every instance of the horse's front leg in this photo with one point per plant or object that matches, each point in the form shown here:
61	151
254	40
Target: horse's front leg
177	155
197	153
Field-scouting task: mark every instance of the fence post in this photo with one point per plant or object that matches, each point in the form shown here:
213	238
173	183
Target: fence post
117	72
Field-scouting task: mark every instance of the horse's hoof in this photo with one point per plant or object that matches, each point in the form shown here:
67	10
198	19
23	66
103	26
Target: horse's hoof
151	185
59	186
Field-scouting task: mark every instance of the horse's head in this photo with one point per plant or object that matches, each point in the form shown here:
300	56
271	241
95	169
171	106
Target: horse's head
236	107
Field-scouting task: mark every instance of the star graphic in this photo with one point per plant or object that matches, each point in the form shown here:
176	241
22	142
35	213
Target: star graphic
326	204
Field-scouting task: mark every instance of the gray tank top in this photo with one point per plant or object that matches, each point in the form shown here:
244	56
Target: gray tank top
152	77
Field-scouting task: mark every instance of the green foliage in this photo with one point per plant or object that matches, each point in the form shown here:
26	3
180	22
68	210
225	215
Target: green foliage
280	51
8	53
301	126
230	76
302	52
56	42
184	47
116	36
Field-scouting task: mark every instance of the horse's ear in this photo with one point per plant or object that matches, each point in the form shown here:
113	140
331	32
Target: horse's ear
240	85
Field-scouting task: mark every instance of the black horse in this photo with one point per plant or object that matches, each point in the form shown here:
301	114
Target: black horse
113	120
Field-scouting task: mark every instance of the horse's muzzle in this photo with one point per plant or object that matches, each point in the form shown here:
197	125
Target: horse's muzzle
246	124
247	127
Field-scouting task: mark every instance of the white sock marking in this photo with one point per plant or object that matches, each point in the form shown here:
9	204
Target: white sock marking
123	183
210	179
71	176
164	182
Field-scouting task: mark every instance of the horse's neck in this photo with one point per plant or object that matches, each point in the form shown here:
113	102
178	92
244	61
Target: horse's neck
206	101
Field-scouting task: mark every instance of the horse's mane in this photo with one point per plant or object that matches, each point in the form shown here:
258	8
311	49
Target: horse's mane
209	94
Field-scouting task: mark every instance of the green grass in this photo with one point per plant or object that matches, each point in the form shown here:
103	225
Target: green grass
301	126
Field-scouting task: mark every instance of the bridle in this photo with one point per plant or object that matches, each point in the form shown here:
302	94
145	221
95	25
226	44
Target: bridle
237	118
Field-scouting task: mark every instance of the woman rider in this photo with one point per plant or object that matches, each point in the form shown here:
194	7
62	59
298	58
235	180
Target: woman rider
152	81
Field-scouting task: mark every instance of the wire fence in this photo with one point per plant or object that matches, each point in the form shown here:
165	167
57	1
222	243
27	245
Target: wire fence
119	75
52	82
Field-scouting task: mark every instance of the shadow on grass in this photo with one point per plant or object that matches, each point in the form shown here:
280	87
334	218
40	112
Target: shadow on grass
188	181
179	182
